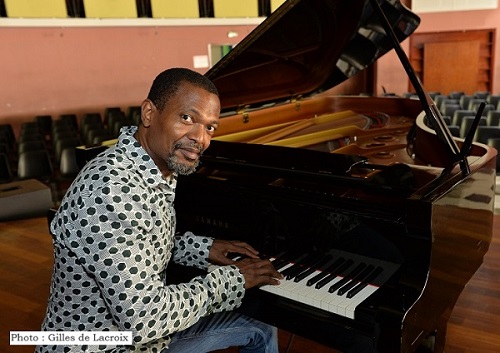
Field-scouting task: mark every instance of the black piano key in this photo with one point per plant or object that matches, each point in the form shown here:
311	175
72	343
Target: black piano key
298	267
364	283
334	275
296	264
322	261
326	272
280	261
359	278
347	278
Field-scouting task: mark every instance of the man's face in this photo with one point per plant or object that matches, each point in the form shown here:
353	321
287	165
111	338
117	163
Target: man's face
176	137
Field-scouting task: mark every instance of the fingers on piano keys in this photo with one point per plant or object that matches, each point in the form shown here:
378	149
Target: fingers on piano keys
336	284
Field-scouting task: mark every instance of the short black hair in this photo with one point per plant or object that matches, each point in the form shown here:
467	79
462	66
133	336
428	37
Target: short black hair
168	82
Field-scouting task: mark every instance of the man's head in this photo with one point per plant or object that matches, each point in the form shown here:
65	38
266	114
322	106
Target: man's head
178	120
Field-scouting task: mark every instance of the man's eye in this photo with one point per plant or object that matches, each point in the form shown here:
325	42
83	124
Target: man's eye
187	117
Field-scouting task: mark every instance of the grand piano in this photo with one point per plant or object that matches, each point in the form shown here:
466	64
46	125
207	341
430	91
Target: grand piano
369	196
375	214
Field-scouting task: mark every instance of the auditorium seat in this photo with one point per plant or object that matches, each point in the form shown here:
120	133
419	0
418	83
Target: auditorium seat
7	134
458	116
481	94
91	118
493	99
449	108
44	123
474	103
467	123
30	145
69	119
438	98
68	167
464	101
34	165
63	143
5	171
495	142
484	133
454	130
493	118
456	94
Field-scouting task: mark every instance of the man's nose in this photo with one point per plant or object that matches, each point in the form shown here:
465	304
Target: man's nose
197	133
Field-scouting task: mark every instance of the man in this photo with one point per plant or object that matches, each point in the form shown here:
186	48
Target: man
114	235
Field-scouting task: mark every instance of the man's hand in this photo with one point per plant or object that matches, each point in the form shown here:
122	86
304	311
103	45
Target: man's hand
221	248
258	272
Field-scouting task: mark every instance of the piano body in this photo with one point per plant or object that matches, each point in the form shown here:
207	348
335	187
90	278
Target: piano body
361	194
316	178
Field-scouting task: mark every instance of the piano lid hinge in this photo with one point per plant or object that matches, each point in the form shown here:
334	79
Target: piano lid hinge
244	114
297	101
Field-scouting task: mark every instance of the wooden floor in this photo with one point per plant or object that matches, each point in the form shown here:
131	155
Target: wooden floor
26	265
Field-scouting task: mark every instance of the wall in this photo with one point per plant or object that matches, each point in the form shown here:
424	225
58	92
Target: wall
392	76
56	70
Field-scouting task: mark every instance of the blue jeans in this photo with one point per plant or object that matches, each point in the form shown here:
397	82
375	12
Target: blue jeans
223	330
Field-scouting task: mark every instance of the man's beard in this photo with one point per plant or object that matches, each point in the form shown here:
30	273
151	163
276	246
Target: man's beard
176	166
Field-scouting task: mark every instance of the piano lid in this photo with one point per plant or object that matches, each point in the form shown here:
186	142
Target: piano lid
306	47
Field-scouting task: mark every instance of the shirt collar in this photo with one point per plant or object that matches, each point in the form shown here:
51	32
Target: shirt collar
143	162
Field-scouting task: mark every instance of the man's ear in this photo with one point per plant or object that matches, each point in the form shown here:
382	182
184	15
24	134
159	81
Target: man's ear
147	110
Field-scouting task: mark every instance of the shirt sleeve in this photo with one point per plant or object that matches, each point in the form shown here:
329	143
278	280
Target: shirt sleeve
192	250
112	239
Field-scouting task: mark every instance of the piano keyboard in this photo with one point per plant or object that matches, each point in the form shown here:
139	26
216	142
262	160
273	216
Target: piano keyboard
336	283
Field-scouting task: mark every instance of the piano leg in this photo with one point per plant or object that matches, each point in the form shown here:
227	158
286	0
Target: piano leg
440	339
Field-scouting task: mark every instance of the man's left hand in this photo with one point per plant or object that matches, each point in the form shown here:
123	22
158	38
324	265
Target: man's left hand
221	248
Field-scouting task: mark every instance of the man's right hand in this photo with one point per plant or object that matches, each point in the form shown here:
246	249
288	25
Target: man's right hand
258	272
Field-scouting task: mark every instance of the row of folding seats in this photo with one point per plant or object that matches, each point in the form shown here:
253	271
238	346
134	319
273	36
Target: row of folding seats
459	111
45	147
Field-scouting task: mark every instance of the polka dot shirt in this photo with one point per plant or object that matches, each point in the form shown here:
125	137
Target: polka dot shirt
114	235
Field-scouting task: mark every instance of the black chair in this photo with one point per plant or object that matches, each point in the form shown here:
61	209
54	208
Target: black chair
459	115
62	144
69	119
98	140
34	165
134	114
464	101
91	118
493	99
454	130
109	111
456	94
85	128
30	145
68	167
467	123
7	133
5	171
450	108
474	103
481	94
44	123
93	133
493	118
484	133
438	98
495	142
447	101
